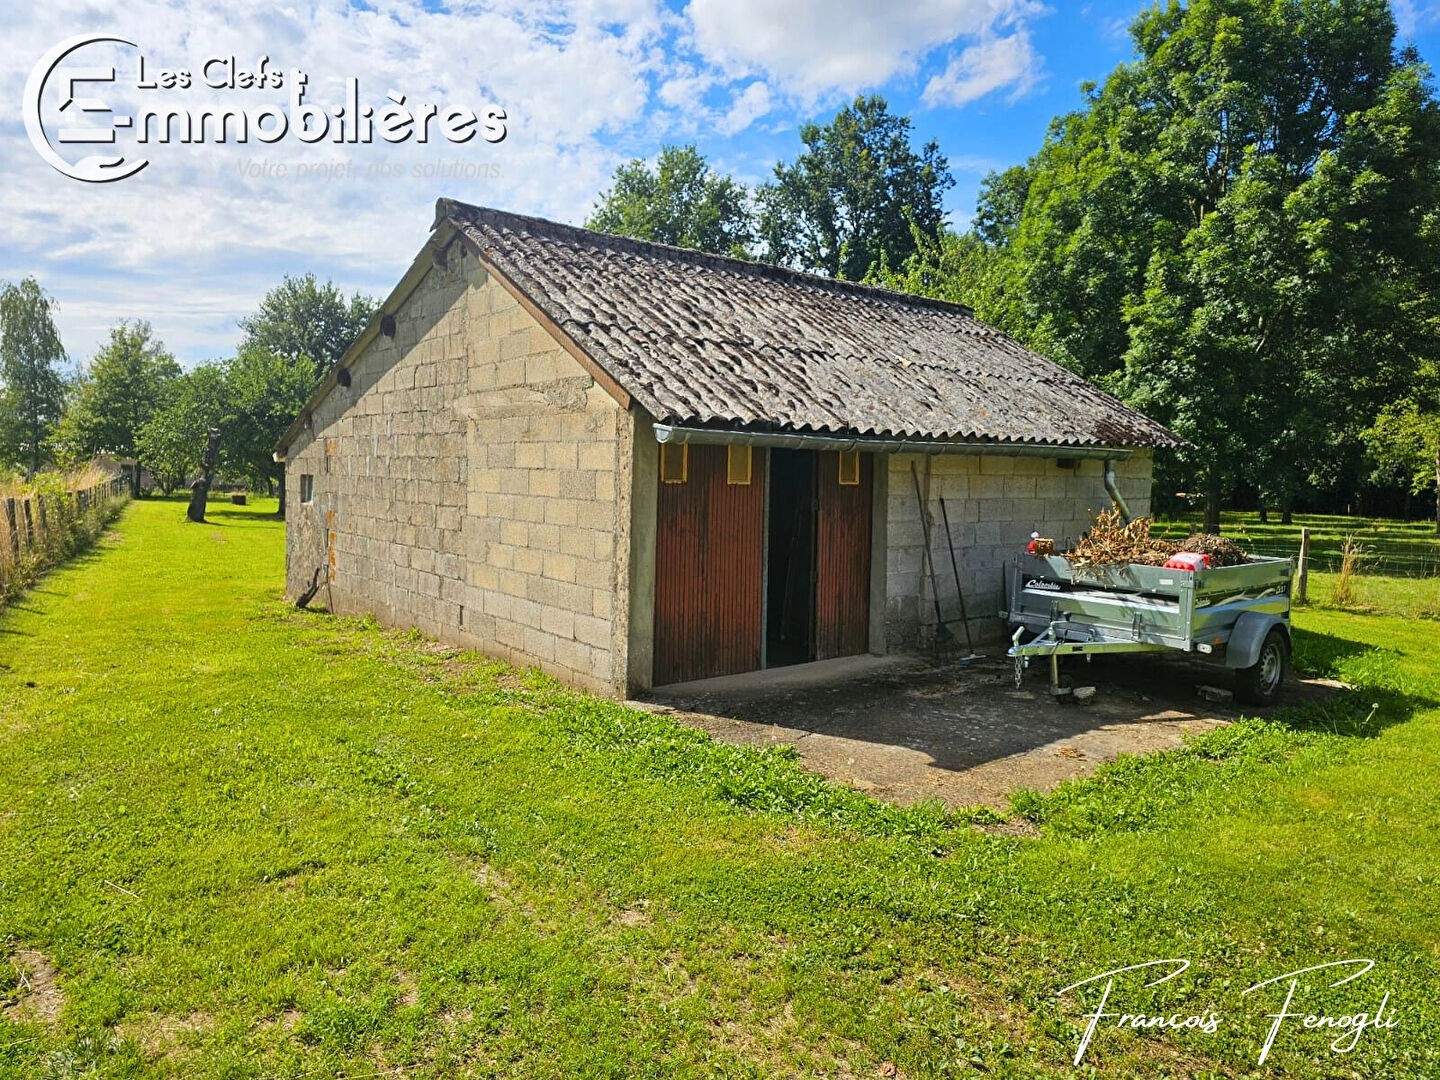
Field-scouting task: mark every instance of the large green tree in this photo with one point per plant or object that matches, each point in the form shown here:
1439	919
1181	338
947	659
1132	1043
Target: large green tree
172	440
1405	438
856	197
300	317
681	201
1237	233
31	390
264	391
118	393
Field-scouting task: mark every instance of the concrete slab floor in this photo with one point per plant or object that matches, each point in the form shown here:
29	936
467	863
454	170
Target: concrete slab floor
907	730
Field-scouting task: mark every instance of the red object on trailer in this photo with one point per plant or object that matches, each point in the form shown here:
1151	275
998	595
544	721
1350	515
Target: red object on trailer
1188	560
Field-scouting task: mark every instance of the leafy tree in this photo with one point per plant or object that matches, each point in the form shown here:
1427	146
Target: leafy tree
31	391
172	440
857	195
1405	438
682	201
1236	233
122	388
265	391
302	318
956	266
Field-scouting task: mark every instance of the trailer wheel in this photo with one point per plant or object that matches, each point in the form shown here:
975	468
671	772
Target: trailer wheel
1260	683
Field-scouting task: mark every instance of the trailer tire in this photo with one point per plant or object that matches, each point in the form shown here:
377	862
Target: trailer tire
1260	683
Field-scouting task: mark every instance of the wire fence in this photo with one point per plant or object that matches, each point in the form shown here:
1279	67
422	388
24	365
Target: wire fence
1400	549
1387	559
40	527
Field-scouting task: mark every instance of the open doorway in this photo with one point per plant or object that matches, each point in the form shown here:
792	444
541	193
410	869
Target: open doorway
790	560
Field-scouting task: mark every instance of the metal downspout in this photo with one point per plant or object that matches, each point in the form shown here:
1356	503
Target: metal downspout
1114	492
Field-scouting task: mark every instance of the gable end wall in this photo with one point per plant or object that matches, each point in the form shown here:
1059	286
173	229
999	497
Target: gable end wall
470	483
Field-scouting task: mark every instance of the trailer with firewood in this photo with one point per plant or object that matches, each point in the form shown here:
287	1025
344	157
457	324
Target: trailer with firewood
1238	616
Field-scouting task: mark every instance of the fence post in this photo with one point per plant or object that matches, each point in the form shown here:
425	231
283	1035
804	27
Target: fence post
14	532
1302	567
29	526
44	524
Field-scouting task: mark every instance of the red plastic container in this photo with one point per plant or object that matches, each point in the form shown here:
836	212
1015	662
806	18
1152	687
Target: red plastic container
1188	560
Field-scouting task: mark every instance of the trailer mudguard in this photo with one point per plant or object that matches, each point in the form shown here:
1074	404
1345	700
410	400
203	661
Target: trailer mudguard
1243	651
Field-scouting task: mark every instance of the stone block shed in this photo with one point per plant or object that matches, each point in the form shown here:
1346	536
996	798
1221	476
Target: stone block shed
630	464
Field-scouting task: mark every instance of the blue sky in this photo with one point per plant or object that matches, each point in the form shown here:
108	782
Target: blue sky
193	241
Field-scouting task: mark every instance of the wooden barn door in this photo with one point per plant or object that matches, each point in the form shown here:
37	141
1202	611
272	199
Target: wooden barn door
842	555
708	563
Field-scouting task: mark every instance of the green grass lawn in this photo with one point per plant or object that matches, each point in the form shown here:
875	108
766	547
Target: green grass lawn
256	842
1390	548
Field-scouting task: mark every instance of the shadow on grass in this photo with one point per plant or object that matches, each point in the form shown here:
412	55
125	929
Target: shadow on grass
1373	704
249	517
93	551
1319	654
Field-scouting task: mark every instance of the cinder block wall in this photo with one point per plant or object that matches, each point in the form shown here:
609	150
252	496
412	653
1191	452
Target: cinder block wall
468	483
388	459
547	522
994	504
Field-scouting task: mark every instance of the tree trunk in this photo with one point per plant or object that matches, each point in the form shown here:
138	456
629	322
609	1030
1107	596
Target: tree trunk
200	490
1286	517
1264	515
1437	489
1212	505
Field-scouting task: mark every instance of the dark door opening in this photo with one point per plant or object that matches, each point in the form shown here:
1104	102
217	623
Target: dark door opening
790	560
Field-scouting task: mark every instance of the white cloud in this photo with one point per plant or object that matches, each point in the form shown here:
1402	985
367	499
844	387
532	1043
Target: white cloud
193	241
1411	16
994	63
749	105
207	240
814	48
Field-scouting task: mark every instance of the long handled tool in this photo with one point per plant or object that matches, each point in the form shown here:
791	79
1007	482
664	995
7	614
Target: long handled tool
959	591
943	636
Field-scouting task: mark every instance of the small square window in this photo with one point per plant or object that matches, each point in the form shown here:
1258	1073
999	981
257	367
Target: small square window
307	488
737	465
674	463
849	468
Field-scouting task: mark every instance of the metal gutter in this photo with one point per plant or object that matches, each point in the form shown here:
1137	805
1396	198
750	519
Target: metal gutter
796	440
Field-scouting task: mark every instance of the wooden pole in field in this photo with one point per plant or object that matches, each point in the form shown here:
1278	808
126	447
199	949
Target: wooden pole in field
14	532
1302	567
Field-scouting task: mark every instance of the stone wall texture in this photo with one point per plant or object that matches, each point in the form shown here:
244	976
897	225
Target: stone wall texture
994	504
471	483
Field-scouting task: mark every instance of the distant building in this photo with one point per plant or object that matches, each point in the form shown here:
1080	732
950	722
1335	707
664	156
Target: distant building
630	464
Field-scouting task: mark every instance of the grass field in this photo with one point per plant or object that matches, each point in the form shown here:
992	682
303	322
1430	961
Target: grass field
1390	548
237	840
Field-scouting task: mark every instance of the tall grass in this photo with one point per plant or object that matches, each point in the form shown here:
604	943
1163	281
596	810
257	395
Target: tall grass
1352	555
58	526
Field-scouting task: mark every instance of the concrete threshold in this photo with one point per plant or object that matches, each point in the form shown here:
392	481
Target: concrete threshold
792	677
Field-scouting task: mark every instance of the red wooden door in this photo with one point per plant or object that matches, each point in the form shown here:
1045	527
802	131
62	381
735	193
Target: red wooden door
842	560
708	567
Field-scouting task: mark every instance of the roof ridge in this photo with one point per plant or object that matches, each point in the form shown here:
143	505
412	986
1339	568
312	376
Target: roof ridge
454	208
